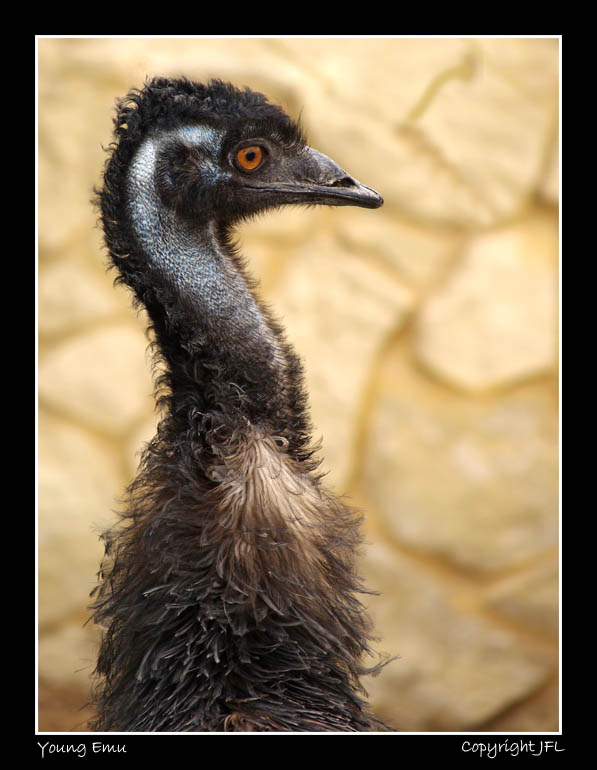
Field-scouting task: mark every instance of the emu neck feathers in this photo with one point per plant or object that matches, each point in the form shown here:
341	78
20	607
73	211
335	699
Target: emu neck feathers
215	337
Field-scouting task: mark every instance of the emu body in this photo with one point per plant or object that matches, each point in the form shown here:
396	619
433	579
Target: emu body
228	595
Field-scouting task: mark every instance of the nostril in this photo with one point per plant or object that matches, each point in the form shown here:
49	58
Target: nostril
345	181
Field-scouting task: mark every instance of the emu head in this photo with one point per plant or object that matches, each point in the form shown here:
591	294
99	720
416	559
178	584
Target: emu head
230	172
223	154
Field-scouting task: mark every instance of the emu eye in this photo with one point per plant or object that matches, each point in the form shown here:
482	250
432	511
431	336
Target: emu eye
250	158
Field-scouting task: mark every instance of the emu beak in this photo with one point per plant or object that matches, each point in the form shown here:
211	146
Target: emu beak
312	177
327	183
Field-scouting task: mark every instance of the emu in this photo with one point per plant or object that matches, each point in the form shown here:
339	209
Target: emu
228	595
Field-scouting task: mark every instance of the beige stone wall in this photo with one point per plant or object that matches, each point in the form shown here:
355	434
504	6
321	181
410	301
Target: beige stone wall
428	330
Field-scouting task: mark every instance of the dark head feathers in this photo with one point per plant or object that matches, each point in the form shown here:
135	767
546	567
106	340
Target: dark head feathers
168	102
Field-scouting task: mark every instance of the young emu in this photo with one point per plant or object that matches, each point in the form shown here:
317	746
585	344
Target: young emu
228	595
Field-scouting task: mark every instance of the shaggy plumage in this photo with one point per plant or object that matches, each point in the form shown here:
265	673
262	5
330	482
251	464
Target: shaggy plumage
228	595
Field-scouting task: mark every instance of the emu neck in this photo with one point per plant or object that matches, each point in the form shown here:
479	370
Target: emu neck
202	309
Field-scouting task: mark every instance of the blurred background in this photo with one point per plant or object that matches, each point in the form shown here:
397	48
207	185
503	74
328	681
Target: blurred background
428	330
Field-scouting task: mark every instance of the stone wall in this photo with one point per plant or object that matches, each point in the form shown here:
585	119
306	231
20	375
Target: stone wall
428	328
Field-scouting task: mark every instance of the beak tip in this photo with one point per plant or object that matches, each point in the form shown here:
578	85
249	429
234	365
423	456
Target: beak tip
371	198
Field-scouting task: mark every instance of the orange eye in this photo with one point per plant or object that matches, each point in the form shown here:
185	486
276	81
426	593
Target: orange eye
250	158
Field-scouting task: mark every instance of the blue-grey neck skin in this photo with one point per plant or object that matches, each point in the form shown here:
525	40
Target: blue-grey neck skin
189	257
